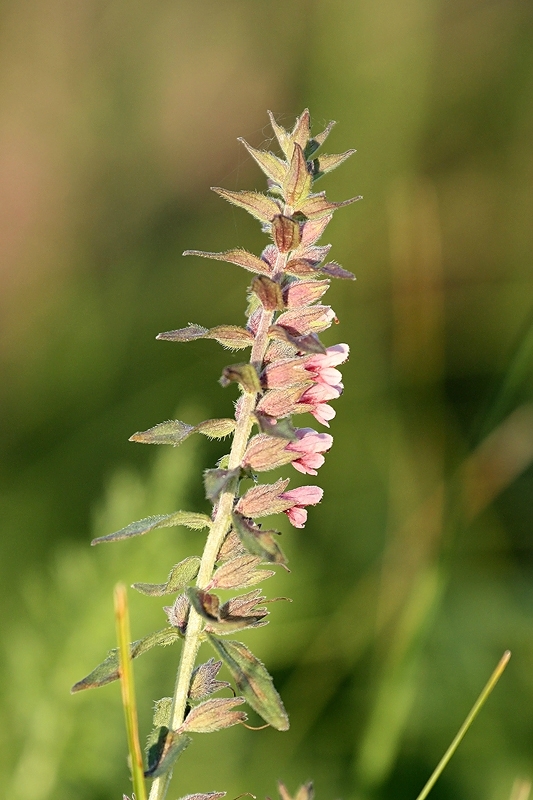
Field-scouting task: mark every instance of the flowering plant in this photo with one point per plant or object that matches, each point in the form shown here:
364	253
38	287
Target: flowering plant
289	372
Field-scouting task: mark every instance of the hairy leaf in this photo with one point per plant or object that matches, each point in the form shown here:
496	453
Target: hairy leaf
297	184
269	292
231	547
239	573
281	428
204	796
180	576
188	334
237	256
231	336
214	715
253	680
244	374
335	271
204	682
258	542
163	755
273	167
107	671
217	481
282	136
305	344
325	163
186	518
286	233
259	501
316	205
178	613
258	205
175	432
208	606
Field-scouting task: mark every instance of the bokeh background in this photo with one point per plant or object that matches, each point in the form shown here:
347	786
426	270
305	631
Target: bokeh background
416	572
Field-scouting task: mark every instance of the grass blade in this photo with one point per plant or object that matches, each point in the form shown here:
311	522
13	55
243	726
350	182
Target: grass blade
480	702
128	691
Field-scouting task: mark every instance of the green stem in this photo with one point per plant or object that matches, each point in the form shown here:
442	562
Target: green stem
128	691
493	680
217	534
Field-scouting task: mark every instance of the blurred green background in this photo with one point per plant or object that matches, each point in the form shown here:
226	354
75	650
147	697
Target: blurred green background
416	571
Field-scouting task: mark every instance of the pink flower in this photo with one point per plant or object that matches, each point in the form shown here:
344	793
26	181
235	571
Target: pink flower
311	445
300	497
327	382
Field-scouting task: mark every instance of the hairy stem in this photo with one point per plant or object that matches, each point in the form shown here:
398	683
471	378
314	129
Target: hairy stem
217	534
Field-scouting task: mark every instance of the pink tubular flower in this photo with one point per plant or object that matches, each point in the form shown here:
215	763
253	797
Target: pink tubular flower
327	382
300	497
311	445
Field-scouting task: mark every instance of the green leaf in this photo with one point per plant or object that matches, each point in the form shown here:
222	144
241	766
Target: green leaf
180	576
231	336
223	620
163	755
253	681
107	671
258	205
305	344
216	428
257	541
217	481
325	163
282	136
187	518
281	428
204	681
244	374
240	572
188	334
172	432
175	432
237	256
214	715
316	205
273	167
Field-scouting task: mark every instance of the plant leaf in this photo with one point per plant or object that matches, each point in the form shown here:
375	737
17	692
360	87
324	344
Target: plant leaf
188	334
273	167
282	136
281	428
269	293
165	752
231	336
244	374
175	432
286	233
216	481
258	205
187	518
258	542
297	184
214	715
240	572
237	256
253	680
208	606
316	205
107	671
335	271
204	682
305	344
325	163
180	576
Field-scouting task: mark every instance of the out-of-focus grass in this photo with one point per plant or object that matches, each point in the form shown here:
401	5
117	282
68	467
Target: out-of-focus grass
415	573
